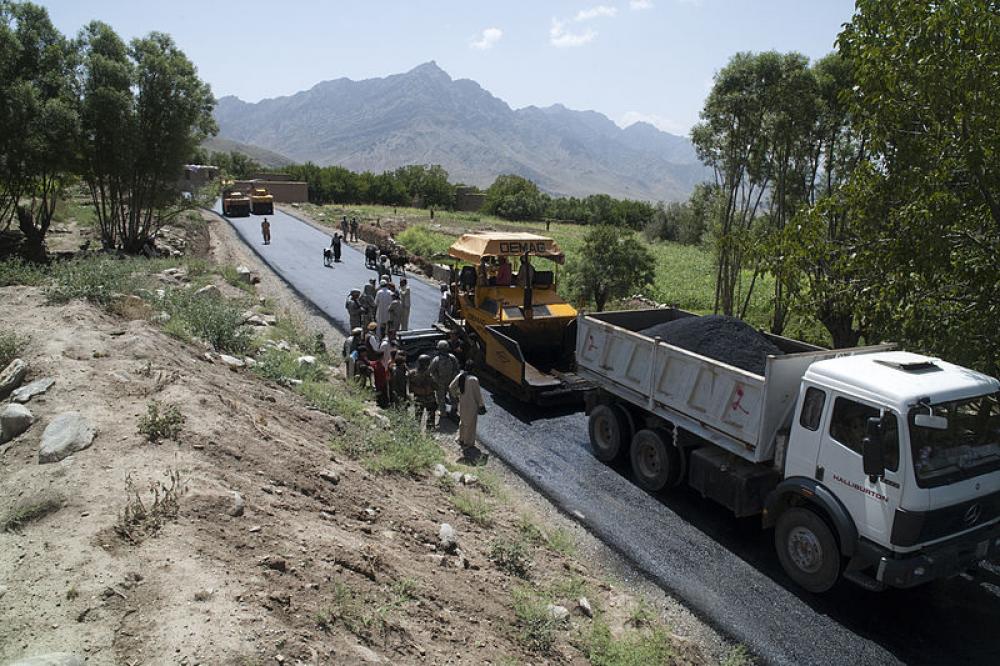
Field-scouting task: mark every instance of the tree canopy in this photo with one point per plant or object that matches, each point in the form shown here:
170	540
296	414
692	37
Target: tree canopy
610	264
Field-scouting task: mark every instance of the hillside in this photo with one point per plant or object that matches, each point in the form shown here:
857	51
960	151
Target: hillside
266	157
425	117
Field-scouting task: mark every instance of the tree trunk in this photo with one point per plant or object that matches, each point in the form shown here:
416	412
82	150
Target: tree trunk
841	327
33	248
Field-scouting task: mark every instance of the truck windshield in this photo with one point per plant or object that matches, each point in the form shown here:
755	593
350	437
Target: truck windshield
970	446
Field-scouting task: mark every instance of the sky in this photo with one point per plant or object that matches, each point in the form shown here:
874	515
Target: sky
631	60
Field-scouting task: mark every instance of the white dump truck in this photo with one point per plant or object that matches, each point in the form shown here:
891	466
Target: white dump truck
879	465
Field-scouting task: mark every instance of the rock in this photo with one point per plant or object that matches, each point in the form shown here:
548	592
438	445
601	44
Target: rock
238	506
256	320
290	382
65	435
275	563
244	274
339	423
12	376
447	539
470	479
51	659
330	476
232	361
249	362
557	613
161	317
456	477
366	655
282	345
584	606
14	419
3	591
439	471
306	360
209	291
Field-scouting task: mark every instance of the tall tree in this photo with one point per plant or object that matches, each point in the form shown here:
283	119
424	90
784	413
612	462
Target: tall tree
927	98
144	113
609	265
39	125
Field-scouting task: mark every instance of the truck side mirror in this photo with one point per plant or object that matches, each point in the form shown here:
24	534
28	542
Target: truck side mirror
872	449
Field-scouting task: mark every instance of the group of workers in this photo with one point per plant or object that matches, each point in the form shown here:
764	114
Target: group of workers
349	229
497	272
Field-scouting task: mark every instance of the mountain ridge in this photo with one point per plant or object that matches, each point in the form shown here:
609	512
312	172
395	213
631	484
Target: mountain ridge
423	116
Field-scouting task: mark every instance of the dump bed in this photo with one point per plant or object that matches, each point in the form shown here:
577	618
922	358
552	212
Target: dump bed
735	409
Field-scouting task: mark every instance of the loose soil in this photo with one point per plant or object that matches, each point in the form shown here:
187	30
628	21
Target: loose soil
312	572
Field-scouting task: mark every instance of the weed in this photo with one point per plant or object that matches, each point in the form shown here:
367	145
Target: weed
338	399
72	593
561	541
633	648
641	615
570	588
536	625
493	485
529	529
162	421
232	277
275	364
367	616
11	346
203	595
404	589
137	520
738	656
96	279
31	508
400	448
18	272
423	242
130	308
514	557
216	321
475	507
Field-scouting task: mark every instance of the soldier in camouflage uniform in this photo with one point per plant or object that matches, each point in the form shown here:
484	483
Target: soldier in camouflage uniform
422	390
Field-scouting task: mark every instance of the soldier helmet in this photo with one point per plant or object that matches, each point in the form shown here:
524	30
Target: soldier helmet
372	326
356	331
423	360
443	345
355	292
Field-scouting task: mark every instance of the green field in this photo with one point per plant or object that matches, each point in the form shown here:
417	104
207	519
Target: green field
685	274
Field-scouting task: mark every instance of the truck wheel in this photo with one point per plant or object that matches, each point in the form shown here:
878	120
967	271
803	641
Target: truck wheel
807	549
655	462
608	432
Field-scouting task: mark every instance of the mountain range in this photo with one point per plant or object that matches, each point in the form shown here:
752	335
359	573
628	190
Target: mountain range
425	117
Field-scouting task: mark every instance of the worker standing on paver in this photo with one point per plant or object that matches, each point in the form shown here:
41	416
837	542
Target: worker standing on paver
422	390
445	306
444	367
465	388
404	301
382	300
354	309
265	231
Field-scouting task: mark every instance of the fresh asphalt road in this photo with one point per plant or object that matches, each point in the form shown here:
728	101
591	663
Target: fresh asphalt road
721	567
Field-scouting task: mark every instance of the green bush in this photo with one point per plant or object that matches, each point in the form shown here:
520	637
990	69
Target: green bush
340	399
401	447
536	625
475	507
95	279
423	242
11	346
514	557
162	421
18	272
214	320
275	364
633	648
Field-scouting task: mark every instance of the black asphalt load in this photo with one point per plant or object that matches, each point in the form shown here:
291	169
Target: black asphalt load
722	568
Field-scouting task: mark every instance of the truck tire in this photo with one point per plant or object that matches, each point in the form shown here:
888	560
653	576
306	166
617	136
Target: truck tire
609	432
655	461
807	549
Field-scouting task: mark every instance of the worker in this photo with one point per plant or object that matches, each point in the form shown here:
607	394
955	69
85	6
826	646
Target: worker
456	347
526	274
444	367
344	226
422	389
380	376
367	301
335	246
483	273
354	309
504	277
465	388
265	231
445	305
398	377
382	300
404	299
351	346
354	229
395	313
372	341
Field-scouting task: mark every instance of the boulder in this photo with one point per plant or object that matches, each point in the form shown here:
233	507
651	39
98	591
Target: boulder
584	607
244	274
14	419
51	659
232	361
439	471
12	376
209	291
330	476
447	539
65	435
29	391
557	613
306	360
469	479
236	510
456	477
161	317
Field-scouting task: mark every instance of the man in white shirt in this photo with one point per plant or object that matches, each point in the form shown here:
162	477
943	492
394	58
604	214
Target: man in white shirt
404	299
383	298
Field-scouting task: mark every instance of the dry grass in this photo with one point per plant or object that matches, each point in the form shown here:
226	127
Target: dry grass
139	519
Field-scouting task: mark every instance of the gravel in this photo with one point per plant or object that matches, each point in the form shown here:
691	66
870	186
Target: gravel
725	339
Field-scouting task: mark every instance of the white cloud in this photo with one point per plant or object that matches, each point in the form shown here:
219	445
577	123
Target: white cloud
639	5
562	38
596	12
657	121
488	38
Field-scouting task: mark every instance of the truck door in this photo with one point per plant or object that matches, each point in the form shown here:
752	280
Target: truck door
872	504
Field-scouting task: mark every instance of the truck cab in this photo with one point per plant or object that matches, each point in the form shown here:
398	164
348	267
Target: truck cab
893	459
